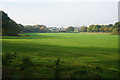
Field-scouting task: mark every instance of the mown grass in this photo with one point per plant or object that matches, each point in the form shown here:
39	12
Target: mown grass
82	55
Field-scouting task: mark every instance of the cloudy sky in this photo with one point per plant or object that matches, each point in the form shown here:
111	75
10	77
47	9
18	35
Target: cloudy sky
61	13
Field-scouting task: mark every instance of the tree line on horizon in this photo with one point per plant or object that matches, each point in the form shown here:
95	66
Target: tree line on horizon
35	29
11	28
114	29
101	28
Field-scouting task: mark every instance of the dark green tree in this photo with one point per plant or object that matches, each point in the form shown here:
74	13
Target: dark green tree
96	28
84	28
116	25
35	29
9	26
110	25
89	29
21	27
70	29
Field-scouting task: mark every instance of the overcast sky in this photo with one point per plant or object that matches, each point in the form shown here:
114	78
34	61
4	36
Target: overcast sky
61	13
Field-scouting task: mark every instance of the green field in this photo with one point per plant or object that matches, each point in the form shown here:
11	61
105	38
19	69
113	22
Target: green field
81	55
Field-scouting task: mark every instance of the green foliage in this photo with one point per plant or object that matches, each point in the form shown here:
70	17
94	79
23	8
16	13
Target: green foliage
110	25
96	28
116	30
35	29
9	27
100	28
110	29
117	25
84	28
89	29
21	27
70	29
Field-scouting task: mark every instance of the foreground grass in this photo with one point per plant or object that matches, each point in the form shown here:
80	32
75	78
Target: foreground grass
81	55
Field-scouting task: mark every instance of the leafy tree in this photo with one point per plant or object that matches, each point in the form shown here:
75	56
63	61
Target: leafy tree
9	26
96	28
103	28
89	29
84	28
35	28
28	28
70	29
110	25
117	25
21	27
110	29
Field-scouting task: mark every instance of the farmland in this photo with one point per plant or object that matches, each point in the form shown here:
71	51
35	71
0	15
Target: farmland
80	55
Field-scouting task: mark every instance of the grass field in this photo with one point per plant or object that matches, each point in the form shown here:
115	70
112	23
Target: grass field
81	55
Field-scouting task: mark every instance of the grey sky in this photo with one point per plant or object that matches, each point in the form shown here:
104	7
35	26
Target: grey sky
61	14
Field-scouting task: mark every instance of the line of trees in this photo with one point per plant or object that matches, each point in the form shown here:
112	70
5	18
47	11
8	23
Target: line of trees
35	29
98	28
101	28
114	29
11	28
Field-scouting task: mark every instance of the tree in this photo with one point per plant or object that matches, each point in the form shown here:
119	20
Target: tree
84	28
96	28
21	27
110	25
110	29
9	26
117	25
70	29
28	28
35	28
89	29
